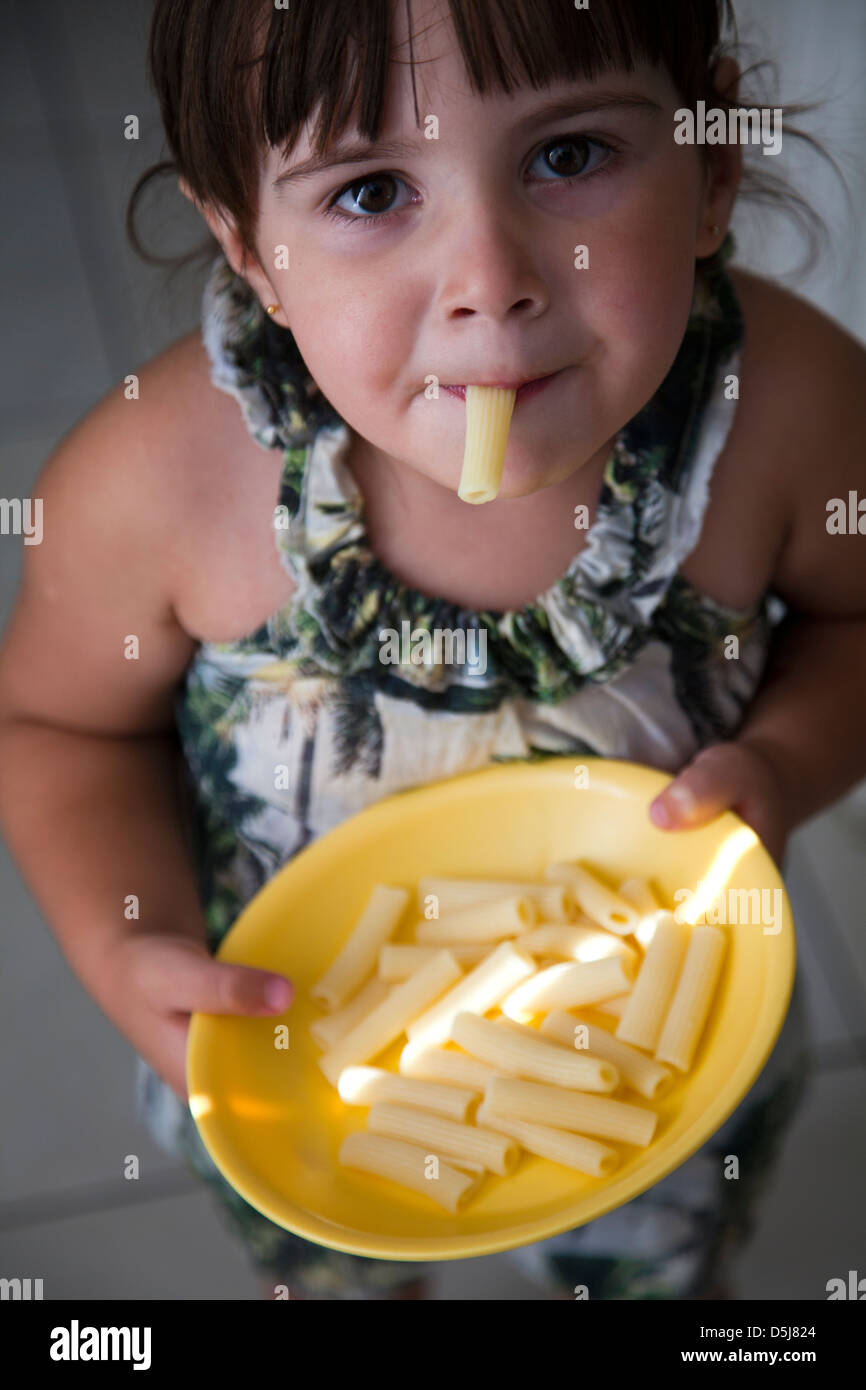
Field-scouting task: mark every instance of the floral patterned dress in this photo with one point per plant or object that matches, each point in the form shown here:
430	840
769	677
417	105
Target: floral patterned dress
620	658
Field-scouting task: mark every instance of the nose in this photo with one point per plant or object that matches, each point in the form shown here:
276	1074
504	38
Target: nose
493	266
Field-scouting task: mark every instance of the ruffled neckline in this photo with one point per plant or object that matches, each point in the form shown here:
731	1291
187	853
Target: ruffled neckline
591	620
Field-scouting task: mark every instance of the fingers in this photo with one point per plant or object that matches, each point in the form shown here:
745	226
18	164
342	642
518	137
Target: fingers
235	989
161	1042
711	783
174	1068
181	975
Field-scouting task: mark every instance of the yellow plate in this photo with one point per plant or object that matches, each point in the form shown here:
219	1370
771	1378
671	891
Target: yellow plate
273	1124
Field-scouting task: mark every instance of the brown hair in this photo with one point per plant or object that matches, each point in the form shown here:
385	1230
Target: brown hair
333	56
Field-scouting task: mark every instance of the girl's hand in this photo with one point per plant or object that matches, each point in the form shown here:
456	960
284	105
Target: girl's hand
733	776
157	980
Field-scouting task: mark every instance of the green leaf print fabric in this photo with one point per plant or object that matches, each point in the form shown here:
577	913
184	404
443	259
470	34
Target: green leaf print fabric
621	657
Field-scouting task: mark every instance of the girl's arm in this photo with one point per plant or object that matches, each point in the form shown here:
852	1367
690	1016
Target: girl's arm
802	743
89	800
809	717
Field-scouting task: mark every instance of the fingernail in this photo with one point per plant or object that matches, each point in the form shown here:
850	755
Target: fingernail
278	994
659	814
683	799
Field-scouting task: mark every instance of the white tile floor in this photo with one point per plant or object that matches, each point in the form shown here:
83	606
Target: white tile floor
66	1213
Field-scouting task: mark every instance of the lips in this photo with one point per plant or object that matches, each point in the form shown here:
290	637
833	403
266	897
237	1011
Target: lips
523	388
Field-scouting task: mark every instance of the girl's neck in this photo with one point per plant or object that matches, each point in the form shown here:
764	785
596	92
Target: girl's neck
501	555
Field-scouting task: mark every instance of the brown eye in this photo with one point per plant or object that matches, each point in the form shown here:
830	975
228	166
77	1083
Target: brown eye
578	157
375	194
563	160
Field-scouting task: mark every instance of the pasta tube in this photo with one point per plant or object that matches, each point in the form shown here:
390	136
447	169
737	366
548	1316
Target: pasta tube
553	900
567	986
575	942
399	962
488	416
650	1078
326	1031
643	1015
367	1085
693	995
480	922
477	992
407	1165
441	1064
388	1020
593	897
551	1105
574	1150
446	1137
641	894
614	1007
519	1051
357	960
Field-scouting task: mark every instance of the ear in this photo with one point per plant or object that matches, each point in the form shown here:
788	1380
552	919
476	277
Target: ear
726	79
724	173
240	261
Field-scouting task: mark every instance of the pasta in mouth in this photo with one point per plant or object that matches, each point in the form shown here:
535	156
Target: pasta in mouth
488	417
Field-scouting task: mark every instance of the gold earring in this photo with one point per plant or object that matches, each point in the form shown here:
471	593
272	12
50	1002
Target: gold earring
272	308
715	229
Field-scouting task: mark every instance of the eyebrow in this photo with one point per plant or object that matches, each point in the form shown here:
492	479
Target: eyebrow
359	153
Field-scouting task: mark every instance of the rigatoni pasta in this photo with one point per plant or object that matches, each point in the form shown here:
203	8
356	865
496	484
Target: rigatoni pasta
488	416
408	1165
567	986
574	1150
442	1064
389	1019
398	962
480	922
599	902
552	1105
489	1066
357	960
522	1052
478	991
650	1078
367	1085
553	900
643	1015
327	1031
451	1138
572	942
690	1005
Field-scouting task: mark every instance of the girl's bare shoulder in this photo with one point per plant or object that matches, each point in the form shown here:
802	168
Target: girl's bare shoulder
219	487
195	418
804	389
786	324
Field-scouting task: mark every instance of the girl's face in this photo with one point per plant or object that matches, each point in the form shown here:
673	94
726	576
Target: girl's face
468	272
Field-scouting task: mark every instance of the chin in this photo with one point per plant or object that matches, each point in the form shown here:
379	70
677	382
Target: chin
528	483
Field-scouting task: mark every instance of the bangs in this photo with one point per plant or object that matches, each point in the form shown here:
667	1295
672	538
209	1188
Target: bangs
331	64
235	78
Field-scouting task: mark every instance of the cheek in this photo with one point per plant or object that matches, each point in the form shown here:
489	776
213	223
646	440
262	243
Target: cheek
637	311
353	341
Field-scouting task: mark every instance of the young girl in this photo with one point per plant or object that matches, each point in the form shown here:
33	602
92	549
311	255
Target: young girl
527	215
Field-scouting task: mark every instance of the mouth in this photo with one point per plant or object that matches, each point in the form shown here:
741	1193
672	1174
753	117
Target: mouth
524	389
